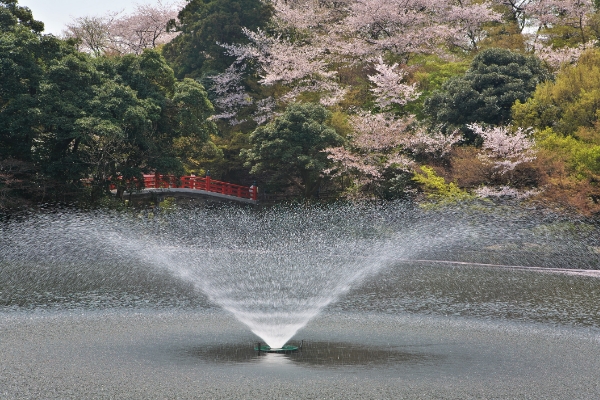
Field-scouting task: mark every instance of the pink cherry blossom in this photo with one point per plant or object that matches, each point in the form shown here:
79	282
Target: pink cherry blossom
388	87
504	191
504	149
145	27
432	143
555	58
382	141
231	94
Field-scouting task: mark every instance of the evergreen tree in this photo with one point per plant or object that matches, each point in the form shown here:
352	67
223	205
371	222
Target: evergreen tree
69	120
290	149
486	92
204	25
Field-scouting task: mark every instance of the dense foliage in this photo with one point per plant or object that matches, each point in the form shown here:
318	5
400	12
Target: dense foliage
434	99
291	147
486	92
70	123
565	114
204	25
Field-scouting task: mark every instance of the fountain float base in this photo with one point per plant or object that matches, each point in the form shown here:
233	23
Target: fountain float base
267	349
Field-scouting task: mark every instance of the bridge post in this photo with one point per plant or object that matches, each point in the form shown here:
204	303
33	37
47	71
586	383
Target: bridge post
208	181
254	191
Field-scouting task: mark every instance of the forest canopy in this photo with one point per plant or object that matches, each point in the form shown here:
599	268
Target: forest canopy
421	99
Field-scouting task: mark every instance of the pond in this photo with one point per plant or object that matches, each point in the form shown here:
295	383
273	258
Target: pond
389	300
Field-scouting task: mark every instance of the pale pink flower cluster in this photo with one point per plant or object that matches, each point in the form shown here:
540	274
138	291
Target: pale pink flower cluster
332	93
144	28
433	143
351	31
280	60
403	26
388	87
535	14
384	132
231	94
504	191
264	110
231	97
380	142
374	147
467	19
503	149
363	168
307	14
548	12
555	58
399	26
378	132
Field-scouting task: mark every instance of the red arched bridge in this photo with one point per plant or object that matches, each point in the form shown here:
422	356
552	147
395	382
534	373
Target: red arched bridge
203	186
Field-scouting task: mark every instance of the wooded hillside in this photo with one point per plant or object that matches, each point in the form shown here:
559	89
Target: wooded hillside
435	100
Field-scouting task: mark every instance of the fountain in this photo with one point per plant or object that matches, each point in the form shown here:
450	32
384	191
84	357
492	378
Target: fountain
274	270
277	269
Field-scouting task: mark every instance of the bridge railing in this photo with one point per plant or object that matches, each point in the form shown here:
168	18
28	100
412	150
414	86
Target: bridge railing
158	181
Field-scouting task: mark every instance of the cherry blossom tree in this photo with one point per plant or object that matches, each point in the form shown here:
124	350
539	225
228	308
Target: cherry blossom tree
309	14
432	143
557	57
92	33
379	132
388	87
280	60
309	40
384	145
503	149
545	15
145	27
467	20
230	93
547	12
517	10
410	26
264	110
504	191
299	66
390	25
374	147
232	97
384	132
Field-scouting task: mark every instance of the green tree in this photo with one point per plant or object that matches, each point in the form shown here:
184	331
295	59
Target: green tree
13	16
23	54
290	149
206	23
22	50
111	119
570	102
67	118
487	91
565	114
436	187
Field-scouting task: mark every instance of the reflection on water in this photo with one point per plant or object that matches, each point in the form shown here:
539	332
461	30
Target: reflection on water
315	354
419	288
273	266
480	292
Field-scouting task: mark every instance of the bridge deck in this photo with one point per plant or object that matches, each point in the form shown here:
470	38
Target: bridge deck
194	186
187	192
